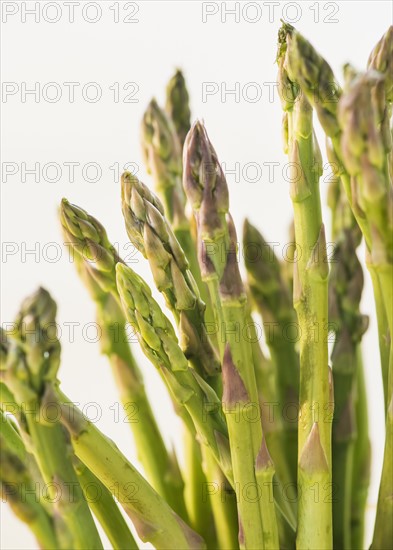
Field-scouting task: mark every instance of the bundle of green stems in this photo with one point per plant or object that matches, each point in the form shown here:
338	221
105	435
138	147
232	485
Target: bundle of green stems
255	474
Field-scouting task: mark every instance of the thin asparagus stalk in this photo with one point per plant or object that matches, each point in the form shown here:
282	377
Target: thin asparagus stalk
346	284
152	517
272	299
18	488
361	467
177	105
105	509
150	232
223	503
350	431
271	411
383	531
311	304
207	191
235	398
33	360
87	234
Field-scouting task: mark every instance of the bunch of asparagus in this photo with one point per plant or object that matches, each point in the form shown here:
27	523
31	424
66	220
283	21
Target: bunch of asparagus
276	444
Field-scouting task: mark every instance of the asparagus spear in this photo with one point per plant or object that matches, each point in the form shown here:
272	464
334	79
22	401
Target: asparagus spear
272	299
31	362
316	79
18	488
153	518
207	191
85	233
311	304
177	105
149	231
162	156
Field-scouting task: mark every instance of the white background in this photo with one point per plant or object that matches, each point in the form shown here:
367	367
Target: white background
167	35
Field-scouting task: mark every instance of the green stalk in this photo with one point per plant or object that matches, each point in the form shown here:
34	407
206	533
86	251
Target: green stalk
33	360
152	517
235	399
54	460
18	489
346	285
105	509
223	503
88	236
362	458
198	511
271	297
311	304
383	531
264	471
277	439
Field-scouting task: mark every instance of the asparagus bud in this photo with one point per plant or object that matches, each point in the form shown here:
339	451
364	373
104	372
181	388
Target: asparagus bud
150	232
177	105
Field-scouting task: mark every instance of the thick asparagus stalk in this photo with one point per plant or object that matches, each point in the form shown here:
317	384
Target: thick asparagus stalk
85	234
32	361
177	105
17	486
311	303
153	518
272	299
149	231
